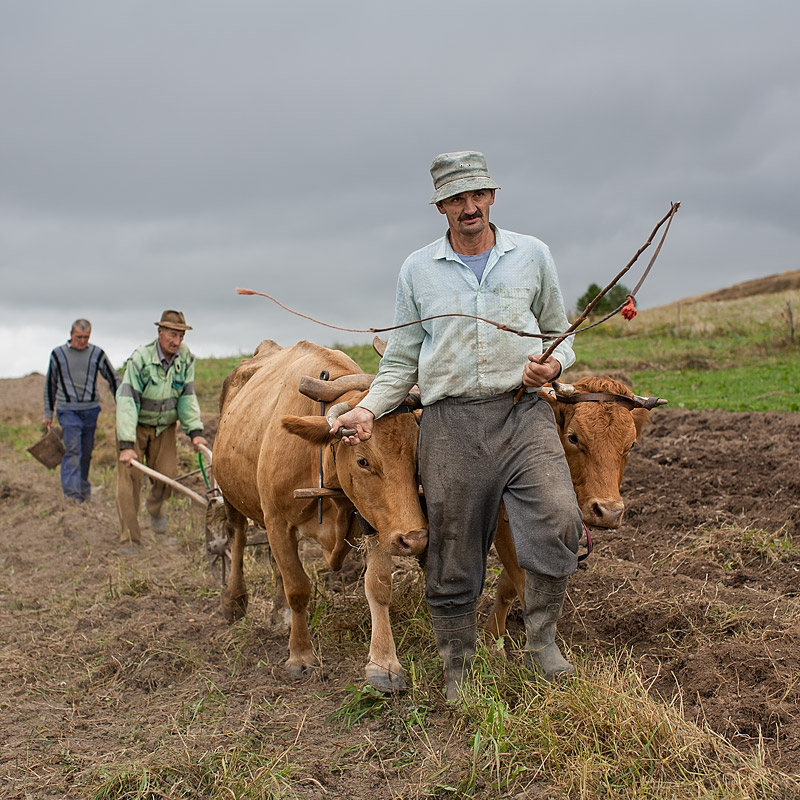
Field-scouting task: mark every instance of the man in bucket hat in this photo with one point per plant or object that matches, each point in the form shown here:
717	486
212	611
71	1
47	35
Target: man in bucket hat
479	446
157	390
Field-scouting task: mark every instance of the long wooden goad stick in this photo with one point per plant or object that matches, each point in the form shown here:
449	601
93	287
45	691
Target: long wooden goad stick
499	325
673	209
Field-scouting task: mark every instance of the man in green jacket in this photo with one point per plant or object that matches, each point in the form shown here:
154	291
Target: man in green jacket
157	390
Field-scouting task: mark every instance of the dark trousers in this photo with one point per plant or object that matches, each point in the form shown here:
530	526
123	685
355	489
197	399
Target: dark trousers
78	429
475	452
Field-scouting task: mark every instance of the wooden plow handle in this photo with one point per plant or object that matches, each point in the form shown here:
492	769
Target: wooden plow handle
199	499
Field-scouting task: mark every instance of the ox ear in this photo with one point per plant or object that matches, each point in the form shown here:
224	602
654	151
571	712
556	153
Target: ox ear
641	417
312	429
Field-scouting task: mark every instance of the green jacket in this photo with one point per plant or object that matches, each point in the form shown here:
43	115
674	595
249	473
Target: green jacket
150	396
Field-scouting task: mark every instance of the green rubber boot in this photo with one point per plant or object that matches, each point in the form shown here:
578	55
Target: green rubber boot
455	632
544	599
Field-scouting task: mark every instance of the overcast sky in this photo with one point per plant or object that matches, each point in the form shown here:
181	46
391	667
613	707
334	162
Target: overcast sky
159	154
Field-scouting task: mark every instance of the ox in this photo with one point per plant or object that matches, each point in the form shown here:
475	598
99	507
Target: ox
599	421
269	442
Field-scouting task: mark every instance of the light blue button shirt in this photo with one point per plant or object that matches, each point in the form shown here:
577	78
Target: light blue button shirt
461	357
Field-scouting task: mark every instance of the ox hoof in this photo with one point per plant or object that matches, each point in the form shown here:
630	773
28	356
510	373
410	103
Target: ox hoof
386	681
234	610
299	668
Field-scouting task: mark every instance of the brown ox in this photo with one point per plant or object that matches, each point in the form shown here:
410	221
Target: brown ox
597	438
268	444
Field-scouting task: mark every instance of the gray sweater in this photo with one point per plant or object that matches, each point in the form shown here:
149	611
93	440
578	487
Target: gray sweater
71	380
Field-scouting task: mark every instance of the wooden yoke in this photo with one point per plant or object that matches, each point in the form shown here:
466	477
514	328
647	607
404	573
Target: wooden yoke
565	393
328	391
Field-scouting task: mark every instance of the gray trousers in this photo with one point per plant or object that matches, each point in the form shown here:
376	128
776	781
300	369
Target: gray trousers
475	452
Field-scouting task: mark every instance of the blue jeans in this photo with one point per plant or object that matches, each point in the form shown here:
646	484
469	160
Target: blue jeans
78	428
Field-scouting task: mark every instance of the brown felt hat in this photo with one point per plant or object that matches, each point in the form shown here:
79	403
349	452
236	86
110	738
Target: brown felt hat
174	320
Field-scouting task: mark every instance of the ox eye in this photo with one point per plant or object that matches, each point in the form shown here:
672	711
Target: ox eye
572	438
363	463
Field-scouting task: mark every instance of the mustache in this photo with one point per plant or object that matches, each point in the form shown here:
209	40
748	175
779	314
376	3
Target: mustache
464	217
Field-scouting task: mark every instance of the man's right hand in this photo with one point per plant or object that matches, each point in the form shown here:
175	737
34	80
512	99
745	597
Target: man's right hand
360	420
126	456
46	423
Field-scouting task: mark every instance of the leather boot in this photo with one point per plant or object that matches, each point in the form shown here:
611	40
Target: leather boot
455	632
544	599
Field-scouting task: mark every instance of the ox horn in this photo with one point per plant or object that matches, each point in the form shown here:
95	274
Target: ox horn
563	389
379	346
334	412
327	391
650	402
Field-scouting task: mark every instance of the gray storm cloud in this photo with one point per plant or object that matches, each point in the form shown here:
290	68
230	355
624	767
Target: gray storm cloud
158	155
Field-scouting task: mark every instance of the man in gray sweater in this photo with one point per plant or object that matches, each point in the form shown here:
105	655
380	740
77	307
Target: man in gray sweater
71	383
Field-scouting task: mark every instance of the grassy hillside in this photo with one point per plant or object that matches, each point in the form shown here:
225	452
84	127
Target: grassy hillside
736	355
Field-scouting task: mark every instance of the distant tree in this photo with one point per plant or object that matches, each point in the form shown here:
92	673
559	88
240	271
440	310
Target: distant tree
614	298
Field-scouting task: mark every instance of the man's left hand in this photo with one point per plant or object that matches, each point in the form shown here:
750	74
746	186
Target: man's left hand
538	372
197	441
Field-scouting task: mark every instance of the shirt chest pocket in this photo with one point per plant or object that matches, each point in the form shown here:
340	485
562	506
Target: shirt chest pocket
513	306
157	377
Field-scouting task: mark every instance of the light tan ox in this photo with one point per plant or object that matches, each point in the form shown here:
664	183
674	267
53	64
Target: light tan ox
268	444
597	438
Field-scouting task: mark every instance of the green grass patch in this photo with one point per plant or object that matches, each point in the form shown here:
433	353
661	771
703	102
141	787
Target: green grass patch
364	355
768	548
734	356
209	376
738	548
244	772
770	384
599	737
361	703
19	437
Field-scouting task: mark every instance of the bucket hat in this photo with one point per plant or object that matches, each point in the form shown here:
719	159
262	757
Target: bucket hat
465	171
174	320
